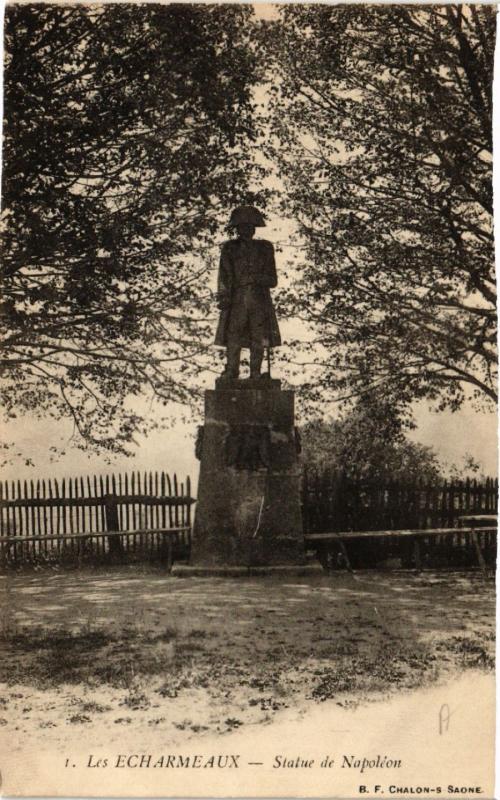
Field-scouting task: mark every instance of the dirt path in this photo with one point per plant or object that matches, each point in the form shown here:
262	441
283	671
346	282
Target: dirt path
123	653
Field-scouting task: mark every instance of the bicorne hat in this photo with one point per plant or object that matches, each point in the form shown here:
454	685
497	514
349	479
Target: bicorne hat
247	215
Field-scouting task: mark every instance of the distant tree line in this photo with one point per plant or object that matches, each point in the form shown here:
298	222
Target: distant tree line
371	442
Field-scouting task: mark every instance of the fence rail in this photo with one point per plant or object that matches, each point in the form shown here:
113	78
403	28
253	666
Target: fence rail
436	547
92	518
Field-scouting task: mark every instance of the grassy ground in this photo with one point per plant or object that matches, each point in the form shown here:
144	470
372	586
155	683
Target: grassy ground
125	647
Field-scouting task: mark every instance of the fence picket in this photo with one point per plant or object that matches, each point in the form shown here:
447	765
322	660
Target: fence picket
73	544
156	520
102	517
176	506
84	509
140	515
188	505
52	526
15	518
170	509
4	510
132	509
126	510
121	507
76	513
90	524
58	508
9	523
22	515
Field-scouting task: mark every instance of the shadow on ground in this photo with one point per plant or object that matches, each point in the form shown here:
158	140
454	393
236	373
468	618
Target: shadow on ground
130	647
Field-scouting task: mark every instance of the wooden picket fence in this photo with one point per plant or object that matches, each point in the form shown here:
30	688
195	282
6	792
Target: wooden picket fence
148	516
452	523
334	502
95	519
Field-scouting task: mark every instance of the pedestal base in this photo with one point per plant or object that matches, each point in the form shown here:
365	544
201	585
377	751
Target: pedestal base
248	514
186	571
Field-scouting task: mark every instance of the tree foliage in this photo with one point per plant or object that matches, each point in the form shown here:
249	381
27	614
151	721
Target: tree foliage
123	150
369	443
129	132
383	126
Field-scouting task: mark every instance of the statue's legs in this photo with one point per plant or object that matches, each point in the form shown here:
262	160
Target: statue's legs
248	325
258	337
233	360
256	356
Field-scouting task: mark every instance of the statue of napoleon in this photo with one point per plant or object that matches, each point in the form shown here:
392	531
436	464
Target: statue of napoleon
247	272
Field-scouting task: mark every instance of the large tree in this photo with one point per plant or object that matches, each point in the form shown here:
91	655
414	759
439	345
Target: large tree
383	126
123	150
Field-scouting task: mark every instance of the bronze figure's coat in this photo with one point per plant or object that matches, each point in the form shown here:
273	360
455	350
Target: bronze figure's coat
247	272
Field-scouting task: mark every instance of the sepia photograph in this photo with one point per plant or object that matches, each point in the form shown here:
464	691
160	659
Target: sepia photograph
249	485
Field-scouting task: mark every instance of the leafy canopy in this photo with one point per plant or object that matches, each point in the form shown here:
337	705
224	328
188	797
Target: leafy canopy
383	136
127	133
130	130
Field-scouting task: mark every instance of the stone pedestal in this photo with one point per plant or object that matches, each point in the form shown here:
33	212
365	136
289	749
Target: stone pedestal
248	515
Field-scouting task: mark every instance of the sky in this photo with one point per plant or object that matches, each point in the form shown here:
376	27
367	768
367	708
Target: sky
452	436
